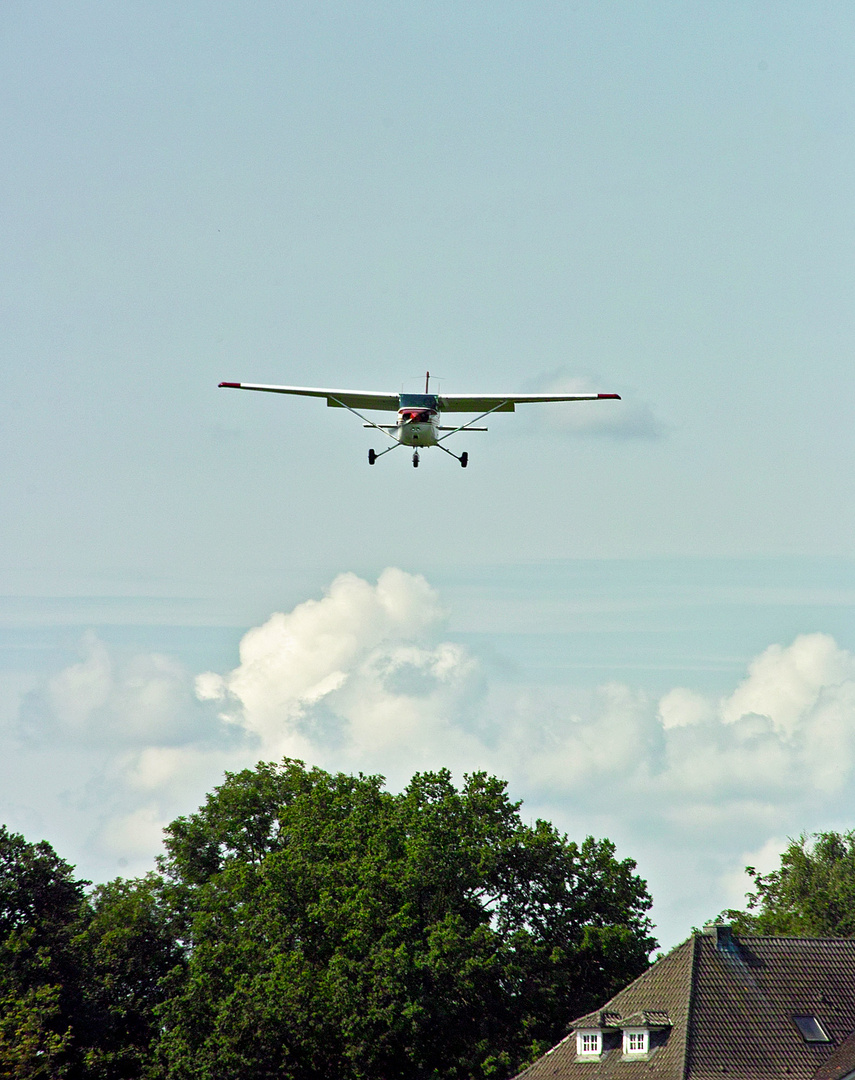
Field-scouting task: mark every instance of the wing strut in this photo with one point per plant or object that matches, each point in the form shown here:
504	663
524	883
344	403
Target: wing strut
463	427
368	423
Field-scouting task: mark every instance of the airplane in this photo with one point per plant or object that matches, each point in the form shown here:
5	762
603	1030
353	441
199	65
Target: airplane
418	424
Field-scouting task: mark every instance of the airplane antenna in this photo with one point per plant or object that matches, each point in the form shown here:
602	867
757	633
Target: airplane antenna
427	382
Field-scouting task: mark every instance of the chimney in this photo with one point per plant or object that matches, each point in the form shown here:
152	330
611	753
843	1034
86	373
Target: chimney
722	933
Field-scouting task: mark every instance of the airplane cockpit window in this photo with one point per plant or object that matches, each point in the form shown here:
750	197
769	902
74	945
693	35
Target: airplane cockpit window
417	401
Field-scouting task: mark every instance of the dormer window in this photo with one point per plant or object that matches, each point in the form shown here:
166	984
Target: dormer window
589	1044
636	1042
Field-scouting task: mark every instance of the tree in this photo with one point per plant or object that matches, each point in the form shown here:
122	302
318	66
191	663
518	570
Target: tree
80	975
133	958
335	929
811	895
42	910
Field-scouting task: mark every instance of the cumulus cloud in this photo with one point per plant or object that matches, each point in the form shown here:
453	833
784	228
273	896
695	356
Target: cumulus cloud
81	689
358	677
790	725
784	737
366	677
108	700
119	744
786	684
135	834
625	419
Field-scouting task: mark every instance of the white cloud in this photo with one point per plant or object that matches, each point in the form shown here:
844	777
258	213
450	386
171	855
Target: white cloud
173	769
682	708
357	678
135	834
766	858
627	418
346	682
579	753
785	684
115	701
692	786
79	690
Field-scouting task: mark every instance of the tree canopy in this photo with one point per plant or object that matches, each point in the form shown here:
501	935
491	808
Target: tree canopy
305	924
812	894
80	974
336	929
42	909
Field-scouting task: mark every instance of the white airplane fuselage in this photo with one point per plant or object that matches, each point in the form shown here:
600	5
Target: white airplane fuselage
418	420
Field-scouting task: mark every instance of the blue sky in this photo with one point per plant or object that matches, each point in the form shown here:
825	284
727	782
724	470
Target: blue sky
649	199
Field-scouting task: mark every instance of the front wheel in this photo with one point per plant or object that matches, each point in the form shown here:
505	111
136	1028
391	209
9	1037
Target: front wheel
372	457
464	460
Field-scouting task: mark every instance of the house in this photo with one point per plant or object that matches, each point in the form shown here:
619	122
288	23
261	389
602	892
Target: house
733	1008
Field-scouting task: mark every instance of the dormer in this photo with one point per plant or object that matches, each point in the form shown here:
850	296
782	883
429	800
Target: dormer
642	1032
589	1044
636	1042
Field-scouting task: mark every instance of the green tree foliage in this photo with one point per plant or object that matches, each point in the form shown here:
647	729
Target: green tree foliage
80	976
811	895
335	929
42	910
132	958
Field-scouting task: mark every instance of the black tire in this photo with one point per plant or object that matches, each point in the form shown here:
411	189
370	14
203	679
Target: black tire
415	461
464	460
372	457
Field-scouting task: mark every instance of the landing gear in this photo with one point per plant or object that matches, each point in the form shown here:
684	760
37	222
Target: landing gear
415	459
372	457
463	459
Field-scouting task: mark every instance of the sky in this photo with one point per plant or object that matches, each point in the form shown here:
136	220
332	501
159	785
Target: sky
640	613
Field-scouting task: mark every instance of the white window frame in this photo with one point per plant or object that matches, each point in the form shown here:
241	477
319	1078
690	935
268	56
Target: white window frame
640	1037
589	1043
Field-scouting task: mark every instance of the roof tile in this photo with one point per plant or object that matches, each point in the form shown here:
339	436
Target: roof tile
718	1006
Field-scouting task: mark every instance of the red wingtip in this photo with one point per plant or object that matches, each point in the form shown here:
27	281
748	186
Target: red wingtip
233	385
609	396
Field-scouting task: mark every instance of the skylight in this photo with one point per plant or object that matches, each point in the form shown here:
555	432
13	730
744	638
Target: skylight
811	1029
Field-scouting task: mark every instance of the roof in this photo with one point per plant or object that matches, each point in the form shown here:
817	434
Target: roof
745	999
841	1064
730	1003
664	992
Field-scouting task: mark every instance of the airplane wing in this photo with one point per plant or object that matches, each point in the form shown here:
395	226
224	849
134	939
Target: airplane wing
337	399
505	402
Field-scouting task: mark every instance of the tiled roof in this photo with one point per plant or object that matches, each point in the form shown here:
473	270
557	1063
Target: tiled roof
645	1018
723	1007
841	1064
745	998
663	991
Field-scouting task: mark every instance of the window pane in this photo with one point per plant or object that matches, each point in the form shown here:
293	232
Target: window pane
635	1042
811	1029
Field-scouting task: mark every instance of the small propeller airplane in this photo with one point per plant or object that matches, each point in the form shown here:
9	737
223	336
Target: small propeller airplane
418	423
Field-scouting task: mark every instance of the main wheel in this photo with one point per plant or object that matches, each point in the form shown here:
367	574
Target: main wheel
464	460
372	457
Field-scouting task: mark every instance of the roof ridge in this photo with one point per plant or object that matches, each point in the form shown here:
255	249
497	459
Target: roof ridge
791	937
690	1010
